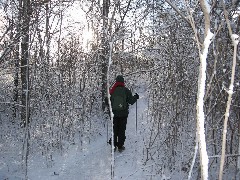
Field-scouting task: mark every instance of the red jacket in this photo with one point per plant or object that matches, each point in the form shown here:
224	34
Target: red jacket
116	84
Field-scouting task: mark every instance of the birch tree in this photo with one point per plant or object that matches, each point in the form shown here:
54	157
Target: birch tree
203	52
235	41
201	88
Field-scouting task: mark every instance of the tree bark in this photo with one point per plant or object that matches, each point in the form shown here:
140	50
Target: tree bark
24	60
235	41
104	51
201	91
17	62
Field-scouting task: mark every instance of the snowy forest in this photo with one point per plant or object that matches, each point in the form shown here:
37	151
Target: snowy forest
59	58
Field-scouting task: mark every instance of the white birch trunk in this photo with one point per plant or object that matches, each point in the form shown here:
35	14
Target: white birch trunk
201	90
235	40
230	92
110	107
200	107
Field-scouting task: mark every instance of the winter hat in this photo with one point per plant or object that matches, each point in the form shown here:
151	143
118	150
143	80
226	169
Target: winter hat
120	78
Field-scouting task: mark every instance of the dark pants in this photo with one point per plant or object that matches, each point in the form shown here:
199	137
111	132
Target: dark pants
119	128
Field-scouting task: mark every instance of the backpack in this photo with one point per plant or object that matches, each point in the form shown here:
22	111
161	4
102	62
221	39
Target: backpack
119	99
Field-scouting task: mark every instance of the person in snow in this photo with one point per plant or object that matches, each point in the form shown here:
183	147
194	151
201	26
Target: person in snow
121	97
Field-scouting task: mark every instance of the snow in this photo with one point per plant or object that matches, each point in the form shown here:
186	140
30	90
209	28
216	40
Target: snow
235	39
77	163
91	161
128	164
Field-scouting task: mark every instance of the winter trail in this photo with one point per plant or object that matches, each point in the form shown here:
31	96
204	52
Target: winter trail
93	161
89	162
128	164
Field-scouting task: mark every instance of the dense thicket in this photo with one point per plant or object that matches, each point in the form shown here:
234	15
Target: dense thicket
174	89
53	88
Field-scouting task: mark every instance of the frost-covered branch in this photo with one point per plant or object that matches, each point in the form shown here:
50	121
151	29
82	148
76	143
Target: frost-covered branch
178	11
235	40
212	76
227	112
194	159
226	155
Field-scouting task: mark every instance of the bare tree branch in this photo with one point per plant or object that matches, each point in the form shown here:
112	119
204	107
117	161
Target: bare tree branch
178	11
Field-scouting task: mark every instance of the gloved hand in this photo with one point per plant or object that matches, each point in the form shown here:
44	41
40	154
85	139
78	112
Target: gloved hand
136	95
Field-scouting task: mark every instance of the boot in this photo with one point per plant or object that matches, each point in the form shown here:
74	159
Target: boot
120	149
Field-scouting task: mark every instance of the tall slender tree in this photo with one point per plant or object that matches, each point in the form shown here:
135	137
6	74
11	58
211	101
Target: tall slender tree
104	50
25	10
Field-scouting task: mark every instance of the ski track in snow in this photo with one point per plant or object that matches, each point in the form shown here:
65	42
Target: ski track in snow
86	163
128	163
93	161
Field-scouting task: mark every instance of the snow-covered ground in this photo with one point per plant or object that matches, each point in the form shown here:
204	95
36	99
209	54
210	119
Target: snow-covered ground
128	164
92	161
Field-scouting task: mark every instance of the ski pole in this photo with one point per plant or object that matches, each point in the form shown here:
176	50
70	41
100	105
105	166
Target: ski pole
107	131
136	117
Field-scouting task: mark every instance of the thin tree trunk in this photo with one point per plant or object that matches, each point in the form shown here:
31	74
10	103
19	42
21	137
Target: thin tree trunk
200	109
17	60
235	40
238	158
230	92
24	60
110	109
47	34
104	53
60	33
25	80
201	90
194	159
